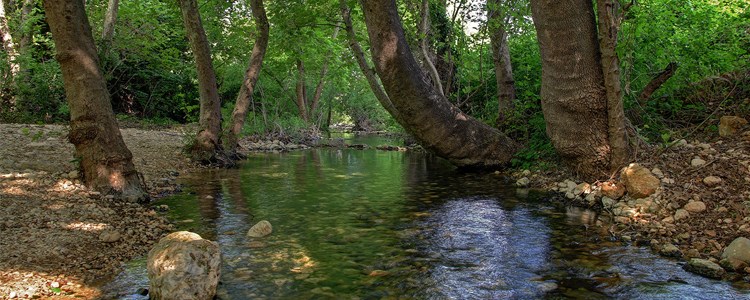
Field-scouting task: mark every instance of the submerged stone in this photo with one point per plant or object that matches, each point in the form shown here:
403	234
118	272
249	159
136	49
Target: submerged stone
184	266
261	229
705	268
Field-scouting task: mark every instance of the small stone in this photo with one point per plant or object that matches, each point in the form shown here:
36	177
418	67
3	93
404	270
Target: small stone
608	202
109	236
378	273
712	181
639	182
705	268
261	229
523	182
728	125
73	174
695	207
697	162
612	190
738	249
681	214
670	251
526	173
54	284
657	172
581	188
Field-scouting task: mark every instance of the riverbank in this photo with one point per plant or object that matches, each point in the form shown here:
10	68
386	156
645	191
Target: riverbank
701	203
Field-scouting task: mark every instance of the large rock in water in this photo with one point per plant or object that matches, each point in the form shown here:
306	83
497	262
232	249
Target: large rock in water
737	254
184	266
639	182
261	229
705	268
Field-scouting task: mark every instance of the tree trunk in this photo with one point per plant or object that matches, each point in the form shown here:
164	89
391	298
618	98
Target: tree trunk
251	77
5	34
426	114
574	100
609	25
321	82
301	91
657	82
207	145
105	160
108	30
506	88
369	72
423	31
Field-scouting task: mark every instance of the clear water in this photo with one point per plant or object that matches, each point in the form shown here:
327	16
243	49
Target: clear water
368	224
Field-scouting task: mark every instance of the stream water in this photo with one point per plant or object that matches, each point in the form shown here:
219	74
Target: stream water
369	224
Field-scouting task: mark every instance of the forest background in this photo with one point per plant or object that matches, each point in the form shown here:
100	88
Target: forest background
151	74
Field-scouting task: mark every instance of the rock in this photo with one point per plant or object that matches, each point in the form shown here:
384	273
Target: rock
712	181
378	273
73	174
183	266
657	172
109	236
737	253
705	268
613	190
608	202
697	162
681	214
526	173
523	182
695	207
670	251
261	229
728	125
639	182
582	188
733	264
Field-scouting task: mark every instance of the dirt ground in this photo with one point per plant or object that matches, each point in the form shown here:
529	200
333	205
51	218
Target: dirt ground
60	240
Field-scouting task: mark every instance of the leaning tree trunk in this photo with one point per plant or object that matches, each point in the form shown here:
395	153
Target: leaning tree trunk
506	88
359	54
439	126
105	160
251	77
574	100
207	145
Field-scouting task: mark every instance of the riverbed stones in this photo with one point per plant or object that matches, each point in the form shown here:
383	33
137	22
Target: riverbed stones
695	207
712	181
639	182
261	229
728	125
183	266
736	256
611	189
697	162
523	182
670	251
109	236
681	214
705	268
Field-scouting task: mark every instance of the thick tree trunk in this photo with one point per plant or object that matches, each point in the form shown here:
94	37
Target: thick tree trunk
609	25
428	115
657	82
424	25
207	145
369	72
574	100
323	71
108	30
251	77
105	160
506	87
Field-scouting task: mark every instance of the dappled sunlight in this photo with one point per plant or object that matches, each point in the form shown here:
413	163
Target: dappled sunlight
87	226
116	180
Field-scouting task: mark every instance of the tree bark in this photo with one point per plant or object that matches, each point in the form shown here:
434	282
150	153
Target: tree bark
105	160
244	98
108	30
7	38
506	87
609	15
657	82
207	145
574	100
424	25
426	114
321	82
369	72
301	91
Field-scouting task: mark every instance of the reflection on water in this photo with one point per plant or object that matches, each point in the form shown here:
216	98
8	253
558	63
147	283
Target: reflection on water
351	224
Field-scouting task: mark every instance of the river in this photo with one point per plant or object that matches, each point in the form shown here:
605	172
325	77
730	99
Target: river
370	224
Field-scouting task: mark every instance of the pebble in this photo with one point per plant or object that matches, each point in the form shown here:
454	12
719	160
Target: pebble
681	214
712	181
695	207
697	162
